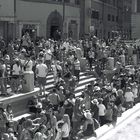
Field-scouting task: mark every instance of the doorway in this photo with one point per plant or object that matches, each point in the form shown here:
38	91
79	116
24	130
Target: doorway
54	25
53	31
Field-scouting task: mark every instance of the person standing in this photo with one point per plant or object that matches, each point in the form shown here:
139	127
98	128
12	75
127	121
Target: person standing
28	63
89	126
102	111
91	56
15	80
2	44
2	76
77	68
129	97
41	72
54	99
66	127
48	56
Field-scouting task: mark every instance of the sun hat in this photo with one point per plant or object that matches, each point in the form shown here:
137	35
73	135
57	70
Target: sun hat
97	88
61	122
61	87
88	115
95	101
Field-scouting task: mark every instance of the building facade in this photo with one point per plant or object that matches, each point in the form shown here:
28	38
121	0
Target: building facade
126	18
7	19
72	18
135	22
45	17
106	17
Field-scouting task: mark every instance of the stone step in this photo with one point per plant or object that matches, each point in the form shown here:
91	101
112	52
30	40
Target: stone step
19	101
50	82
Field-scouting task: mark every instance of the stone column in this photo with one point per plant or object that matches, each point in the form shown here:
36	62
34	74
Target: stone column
87	16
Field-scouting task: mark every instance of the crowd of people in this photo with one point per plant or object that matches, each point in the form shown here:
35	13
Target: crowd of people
60	115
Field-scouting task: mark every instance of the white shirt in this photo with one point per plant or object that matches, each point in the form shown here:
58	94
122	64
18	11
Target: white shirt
28	65
77	65
129	96
65	129
48	54
102	109
42	70
66	45
3	67
16	69
135	92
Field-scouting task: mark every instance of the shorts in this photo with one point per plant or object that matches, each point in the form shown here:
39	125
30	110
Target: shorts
41	80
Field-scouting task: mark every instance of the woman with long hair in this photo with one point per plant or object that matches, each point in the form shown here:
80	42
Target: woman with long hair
77	116
88	126
66	127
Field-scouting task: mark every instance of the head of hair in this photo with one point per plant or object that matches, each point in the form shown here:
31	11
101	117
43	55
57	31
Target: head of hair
28	123
66	119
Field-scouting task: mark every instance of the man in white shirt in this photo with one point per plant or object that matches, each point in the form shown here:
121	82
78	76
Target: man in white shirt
48	56
129	98
77	68
41	72
102	111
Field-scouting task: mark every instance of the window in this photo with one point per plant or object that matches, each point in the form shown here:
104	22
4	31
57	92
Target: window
95	14
109	17
77	2
113	18
67	1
